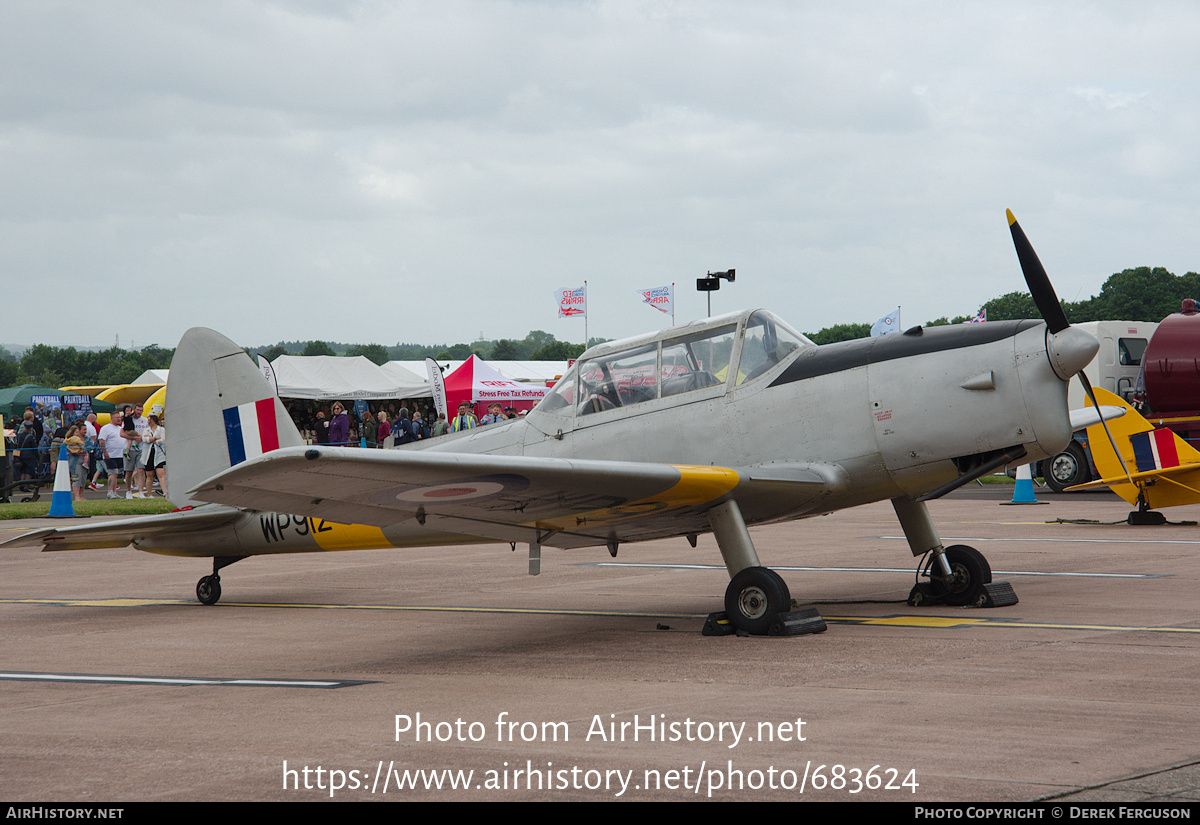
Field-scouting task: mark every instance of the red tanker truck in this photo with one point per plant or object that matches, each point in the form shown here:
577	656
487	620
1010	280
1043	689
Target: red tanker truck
1156	367
1167	392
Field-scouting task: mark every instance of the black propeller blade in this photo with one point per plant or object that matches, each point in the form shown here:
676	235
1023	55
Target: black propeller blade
1047	303
1037	279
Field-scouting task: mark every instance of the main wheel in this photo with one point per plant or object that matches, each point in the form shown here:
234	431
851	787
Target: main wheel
969	572
208	590
1068	468
753	597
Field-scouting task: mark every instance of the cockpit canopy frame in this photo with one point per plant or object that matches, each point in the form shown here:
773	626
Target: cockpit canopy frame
682	364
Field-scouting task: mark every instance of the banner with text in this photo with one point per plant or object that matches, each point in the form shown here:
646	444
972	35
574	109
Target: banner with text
438	385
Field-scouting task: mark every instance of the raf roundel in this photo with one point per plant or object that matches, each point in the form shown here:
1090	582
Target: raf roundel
455	491
471	488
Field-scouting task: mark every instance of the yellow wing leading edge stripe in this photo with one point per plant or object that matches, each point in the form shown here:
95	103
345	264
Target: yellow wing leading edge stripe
697	485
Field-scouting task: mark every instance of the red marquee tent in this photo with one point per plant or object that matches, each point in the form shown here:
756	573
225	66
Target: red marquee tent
475	381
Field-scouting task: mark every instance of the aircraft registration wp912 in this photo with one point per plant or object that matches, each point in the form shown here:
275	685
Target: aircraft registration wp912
713	426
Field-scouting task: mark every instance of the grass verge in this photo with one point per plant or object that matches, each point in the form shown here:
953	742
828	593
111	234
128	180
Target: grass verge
99	507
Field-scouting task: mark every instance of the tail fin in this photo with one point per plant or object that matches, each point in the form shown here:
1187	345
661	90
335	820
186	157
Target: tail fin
220	410
1165	469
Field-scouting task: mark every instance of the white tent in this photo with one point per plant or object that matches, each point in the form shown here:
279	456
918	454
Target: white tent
323	377
539	372
407	377
151	377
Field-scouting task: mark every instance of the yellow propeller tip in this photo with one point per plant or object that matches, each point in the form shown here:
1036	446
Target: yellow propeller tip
1011	217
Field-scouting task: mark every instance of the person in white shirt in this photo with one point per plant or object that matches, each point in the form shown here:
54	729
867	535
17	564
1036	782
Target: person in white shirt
154	448
135	461
112	446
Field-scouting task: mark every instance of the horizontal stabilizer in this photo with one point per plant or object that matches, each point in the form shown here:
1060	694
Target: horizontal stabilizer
124	532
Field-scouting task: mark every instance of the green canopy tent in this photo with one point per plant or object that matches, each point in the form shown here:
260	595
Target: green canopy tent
14	400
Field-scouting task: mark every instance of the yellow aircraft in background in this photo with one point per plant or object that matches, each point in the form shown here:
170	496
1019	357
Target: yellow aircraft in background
1155	468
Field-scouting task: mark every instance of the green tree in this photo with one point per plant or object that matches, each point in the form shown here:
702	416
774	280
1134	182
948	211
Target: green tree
413	352
1012	306
840	332
375	353
505	350
37	361
274	352
318	348
535	340
557	351
458	352
1141	294
127	368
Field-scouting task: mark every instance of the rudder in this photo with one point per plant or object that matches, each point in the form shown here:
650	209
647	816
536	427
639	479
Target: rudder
220	410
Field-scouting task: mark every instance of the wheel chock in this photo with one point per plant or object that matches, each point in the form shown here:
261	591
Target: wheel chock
998	594
995	594
797	623
923	594
718	624
1146	518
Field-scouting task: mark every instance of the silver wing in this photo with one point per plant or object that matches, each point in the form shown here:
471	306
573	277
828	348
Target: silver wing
553	501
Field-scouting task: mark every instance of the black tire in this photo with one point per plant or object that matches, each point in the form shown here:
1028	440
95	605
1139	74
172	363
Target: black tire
208	590
753	598
969	573
1068	468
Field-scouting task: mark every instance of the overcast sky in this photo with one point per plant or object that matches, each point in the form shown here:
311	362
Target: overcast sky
433	171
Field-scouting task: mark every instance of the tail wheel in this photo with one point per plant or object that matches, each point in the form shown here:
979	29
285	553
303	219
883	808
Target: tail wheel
208	589
753	598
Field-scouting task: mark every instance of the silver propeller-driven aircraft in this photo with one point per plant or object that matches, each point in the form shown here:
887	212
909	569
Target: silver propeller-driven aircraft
713	426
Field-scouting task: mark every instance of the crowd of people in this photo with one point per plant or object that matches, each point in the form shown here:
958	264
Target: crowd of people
374	424
131	448
130	451
385	424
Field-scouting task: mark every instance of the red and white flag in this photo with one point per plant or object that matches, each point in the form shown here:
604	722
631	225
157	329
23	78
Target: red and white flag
572	301
661	298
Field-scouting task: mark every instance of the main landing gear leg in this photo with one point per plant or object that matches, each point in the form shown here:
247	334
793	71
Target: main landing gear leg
208	589
757	601
958	575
